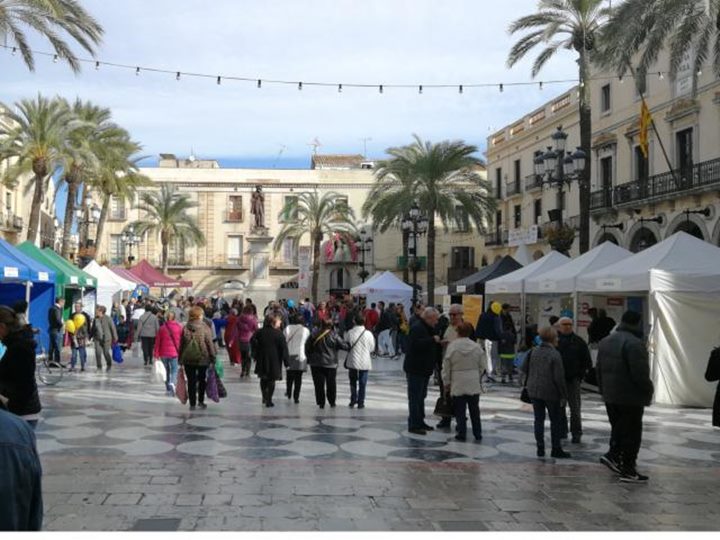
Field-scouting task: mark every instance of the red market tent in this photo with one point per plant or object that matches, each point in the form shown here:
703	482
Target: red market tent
126	274
146	273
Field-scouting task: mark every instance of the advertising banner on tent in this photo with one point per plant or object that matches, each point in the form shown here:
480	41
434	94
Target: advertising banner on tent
472	307
304	265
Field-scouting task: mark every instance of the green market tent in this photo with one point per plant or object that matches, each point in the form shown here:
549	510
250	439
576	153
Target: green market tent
70	281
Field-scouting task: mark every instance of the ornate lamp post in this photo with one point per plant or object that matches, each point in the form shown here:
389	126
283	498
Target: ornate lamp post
364	246
130	239
87	215
417	225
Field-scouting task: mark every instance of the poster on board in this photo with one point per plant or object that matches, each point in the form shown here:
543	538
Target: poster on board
472	307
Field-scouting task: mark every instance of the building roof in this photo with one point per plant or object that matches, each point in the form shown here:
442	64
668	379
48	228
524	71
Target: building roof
337	161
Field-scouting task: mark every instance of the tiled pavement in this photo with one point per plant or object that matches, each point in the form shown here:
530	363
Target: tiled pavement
120	455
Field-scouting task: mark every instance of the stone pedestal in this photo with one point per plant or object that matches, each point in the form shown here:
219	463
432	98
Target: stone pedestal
259	288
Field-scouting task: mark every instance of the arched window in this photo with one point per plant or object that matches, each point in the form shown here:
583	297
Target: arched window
607	237
643	239
690	228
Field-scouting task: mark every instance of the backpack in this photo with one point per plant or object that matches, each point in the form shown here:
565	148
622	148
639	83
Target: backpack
192	352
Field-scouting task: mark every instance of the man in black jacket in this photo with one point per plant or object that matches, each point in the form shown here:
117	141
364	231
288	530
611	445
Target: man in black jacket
623	372
56	329
423	345
576	361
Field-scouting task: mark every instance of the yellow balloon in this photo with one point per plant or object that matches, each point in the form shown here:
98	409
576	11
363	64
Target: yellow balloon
70	326
496	308
79	320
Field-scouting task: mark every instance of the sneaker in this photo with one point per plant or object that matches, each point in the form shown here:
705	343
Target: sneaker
631	476
559	453
443	424
428	428
610	463
417	431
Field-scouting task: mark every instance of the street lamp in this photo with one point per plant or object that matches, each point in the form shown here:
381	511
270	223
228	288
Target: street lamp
365	246
558	167
88	214
130	239
415	224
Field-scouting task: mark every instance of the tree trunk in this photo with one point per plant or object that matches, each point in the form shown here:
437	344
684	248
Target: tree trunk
69	214
164	240
83	230
405	246
101	225
37	200
430	259
316	241
586	144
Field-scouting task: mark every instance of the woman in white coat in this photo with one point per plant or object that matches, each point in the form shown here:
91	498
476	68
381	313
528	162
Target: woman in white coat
296	335
362	344
463	366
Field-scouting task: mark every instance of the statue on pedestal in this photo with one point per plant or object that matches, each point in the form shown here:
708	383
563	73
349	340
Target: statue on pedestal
257	208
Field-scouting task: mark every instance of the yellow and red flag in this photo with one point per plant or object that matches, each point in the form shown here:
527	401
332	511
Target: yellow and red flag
645	121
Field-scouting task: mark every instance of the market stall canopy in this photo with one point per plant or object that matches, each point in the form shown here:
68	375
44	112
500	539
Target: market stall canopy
125	274
154	277
680	254
564	278
17	266
108	283
66	275
474	283
386	287
514	282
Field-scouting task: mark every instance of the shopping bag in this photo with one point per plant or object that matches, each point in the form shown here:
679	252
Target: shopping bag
211	387
181	386
219	369
159	374
117	354
443	406
222	392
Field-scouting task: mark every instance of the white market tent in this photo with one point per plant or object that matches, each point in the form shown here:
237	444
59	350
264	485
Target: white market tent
682	277
110	285
386	287
563	279
514	282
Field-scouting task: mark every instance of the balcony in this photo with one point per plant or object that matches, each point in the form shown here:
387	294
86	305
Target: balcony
119	214
497	238
698	178
233	216
513	188
456	274
179	263
402	263
533	182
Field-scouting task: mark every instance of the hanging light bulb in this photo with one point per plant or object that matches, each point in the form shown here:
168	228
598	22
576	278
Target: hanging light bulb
14	51
661	76
502	87
177	76
97	66
259	85
541	85
300	86
137	71
420	89
621	79
699	73
55	58
339	88
460	89
219	79
380	88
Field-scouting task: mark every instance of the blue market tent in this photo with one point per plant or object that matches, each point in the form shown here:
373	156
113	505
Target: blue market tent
23	278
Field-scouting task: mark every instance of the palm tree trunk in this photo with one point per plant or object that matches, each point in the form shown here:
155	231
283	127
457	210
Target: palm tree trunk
585	143
38	197
316	241
164	255
69	214
430	259
101	224
405	244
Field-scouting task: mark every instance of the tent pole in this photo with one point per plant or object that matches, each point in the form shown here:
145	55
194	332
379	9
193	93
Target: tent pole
575	310
28	286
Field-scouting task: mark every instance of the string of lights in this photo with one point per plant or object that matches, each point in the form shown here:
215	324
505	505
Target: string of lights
259	82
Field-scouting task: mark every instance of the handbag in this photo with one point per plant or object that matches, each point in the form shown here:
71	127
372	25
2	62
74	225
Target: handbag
211	388
117	354
712	373
524	395
159	374
222	391
181	391
443	406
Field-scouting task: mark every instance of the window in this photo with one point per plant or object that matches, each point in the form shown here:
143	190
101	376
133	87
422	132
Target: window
684	143
517	213
605	102
8	203
290	251
537	218
641	165
498	221
117	209
462	220
517	176
606	173
235	208
463	257
117	249
235	250
498	183
176	252
289	208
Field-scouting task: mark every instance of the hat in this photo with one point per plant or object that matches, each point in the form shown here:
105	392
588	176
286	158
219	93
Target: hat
506	306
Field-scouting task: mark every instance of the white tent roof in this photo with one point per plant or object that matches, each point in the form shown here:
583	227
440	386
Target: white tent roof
522	255
385	282
680	254
514	281
104	274
563	279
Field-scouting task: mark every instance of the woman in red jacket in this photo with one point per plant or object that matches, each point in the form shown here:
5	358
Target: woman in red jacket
231	332
167	349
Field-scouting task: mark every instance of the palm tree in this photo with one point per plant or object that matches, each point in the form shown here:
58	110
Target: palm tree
444	180
386	206
50	19
166	216
649	26
572	25
36	140
319	216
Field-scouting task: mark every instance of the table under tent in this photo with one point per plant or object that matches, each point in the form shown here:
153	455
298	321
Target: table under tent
678	281
70	281
24	278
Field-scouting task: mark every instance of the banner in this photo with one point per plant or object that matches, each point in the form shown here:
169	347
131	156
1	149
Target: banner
518	237
472	307
304	267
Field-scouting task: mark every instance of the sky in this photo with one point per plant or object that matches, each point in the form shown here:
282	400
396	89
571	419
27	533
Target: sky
337	41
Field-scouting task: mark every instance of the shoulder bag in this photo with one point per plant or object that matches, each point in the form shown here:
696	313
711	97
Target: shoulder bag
352	347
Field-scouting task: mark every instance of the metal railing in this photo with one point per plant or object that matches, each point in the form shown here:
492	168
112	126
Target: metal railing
117	215
513	188
496	238
533	182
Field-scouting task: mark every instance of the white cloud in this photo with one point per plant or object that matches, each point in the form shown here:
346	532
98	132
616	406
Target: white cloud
373	41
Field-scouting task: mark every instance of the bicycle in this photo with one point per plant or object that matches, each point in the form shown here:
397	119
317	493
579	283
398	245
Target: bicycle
48	371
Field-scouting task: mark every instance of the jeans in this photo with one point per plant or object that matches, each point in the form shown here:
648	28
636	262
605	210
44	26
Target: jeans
294	382
245	358
472	402
171	368
385	344
267	387
82	351
402	343
103	349
324	380
148	345
626	432
358	382
553	409
56	345
196	381
417	386
574	402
